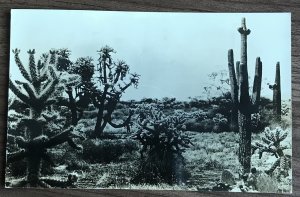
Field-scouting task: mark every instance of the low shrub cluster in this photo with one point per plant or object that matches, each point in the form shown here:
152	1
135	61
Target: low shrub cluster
106	150
163	143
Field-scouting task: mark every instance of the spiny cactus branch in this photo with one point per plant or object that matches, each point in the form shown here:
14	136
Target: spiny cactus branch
32	66
20	65
257	83
238	73
125	123
18	92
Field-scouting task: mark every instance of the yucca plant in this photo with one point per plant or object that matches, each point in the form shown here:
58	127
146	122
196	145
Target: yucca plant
271	144
163	143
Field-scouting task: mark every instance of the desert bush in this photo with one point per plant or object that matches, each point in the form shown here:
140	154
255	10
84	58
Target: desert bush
193	125
17	169
220	123
106	150
205	125
163	143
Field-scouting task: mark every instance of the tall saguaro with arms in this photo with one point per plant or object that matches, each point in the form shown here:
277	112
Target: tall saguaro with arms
242	104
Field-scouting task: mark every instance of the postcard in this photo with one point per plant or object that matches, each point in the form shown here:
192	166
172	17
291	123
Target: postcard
150	100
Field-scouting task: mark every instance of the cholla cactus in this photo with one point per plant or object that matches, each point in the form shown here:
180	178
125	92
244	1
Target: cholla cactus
36	150
271	144
41	82
162	144
37	93
114	79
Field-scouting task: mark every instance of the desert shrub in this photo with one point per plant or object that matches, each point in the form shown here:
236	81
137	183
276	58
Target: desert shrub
74	162
200	122
211	163
266	184
198	103
106	150
90	114
199	115
205	125
179	105
163	143
17	168
193	125
220	123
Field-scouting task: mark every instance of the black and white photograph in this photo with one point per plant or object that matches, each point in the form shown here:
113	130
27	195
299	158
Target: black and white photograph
149	101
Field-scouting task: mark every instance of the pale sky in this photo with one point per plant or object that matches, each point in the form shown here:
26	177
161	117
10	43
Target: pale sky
173	52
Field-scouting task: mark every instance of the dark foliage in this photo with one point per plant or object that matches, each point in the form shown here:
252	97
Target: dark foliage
163	143
106	151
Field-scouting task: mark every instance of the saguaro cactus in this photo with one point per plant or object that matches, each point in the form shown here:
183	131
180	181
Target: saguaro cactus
240	96
277	93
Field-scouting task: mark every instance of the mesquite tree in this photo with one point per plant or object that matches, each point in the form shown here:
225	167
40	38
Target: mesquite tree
240	96
113	82
36	93
277	94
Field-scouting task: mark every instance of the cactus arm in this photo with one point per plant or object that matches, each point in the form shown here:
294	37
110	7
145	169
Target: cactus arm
20	65
125	123
58	139
277	93
43	77
65	136
73	145
122	89
48	91
52	72
32	66
30	91
16	156
238	73
257	84
18	92
274	166
232	77
52	57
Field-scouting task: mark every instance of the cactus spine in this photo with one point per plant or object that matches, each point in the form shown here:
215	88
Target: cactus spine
240	96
